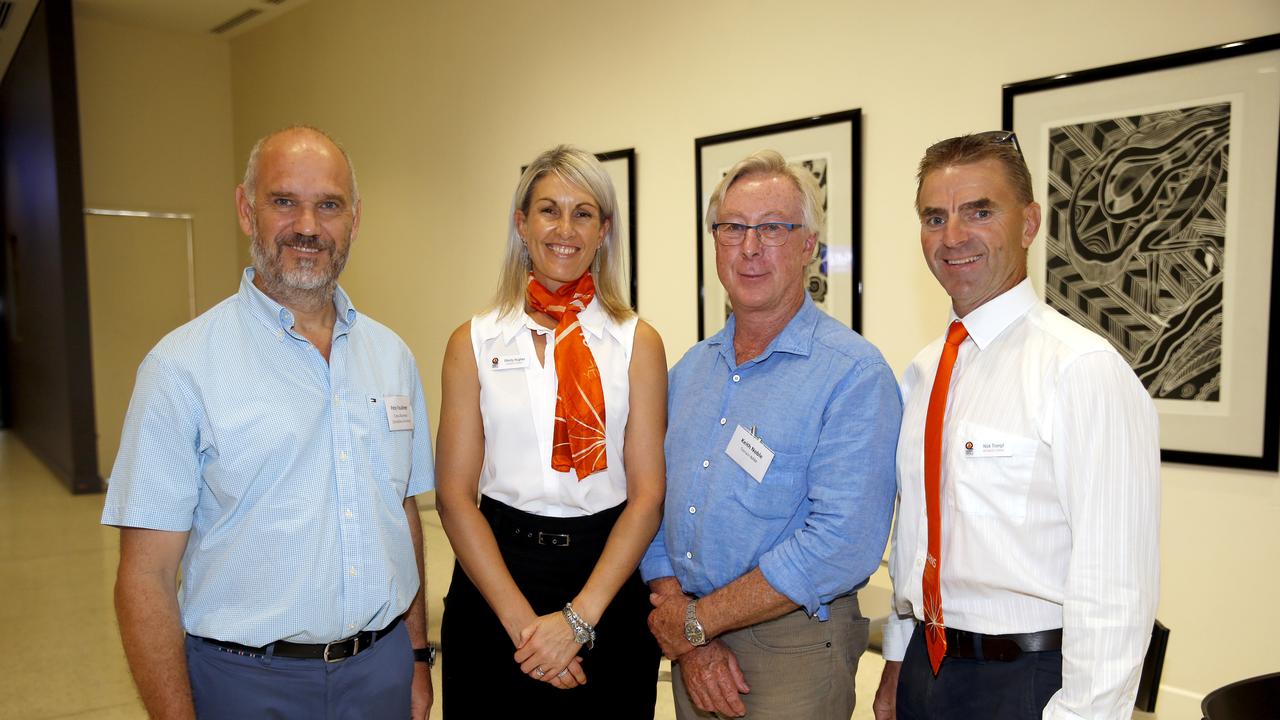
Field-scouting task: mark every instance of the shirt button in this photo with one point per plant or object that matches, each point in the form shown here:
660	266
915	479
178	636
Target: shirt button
352	571
737	377
347	513
692	509
337	399
342	455
689	555
723	420
351	626
706	463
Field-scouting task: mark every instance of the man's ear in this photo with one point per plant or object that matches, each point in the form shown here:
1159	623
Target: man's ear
244	210
1030	224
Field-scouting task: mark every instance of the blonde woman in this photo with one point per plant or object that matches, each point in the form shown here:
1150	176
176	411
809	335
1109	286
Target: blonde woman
553	414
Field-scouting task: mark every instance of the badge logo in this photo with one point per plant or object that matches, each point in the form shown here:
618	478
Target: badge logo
968	448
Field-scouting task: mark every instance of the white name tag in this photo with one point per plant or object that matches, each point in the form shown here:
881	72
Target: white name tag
508	362
750	453
399	412
987	448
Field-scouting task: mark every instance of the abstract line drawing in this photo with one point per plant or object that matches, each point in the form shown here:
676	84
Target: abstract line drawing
1135	228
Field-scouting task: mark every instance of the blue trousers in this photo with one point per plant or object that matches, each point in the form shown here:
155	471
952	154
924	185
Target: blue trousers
376	683
967	689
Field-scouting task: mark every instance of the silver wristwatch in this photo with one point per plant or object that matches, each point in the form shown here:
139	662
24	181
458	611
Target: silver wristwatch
583	633
693	631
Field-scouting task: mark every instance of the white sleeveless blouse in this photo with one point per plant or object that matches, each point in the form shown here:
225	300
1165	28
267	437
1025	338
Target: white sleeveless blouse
518	402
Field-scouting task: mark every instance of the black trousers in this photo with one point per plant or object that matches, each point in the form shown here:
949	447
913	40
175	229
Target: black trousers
966	689
480	678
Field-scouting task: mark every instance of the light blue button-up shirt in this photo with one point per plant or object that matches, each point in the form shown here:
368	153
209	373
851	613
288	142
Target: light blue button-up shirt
285	469
825	402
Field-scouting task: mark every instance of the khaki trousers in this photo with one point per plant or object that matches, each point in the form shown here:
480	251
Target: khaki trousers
797	668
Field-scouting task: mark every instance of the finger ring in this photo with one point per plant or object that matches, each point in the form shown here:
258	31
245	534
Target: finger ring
563	672
539	671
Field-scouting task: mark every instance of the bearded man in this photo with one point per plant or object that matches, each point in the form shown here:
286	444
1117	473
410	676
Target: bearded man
272	451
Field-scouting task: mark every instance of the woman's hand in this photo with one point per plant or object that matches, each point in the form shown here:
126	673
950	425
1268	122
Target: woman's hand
546	651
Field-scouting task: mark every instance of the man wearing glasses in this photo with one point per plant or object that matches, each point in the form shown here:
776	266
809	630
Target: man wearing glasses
779	453
1025	558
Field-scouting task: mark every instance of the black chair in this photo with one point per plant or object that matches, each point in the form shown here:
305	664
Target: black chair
1253	699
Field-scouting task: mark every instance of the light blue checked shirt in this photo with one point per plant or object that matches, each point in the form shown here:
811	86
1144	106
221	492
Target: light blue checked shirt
824	401
284	469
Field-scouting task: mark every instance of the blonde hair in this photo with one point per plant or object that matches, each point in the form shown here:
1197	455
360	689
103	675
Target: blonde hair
581	169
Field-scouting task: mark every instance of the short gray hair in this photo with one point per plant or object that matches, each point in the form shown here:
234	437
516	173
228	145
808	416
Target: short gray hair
250	181
771	162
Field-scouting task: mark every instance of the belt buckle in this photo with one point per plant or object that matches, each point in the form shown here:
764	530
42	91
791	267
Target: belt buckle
355	648
555	539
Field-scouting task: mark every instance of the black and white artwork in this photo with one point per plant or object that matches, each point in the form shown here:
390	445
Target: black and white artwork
1136	240
1159	181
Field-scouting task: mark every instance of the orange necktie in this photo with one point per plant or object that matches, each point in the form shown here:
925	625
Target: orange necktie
578	439
935	632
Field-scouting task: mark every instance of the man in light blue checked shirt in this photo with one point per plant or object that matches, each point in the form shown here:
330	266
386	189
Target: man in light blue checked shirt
780	474
272	450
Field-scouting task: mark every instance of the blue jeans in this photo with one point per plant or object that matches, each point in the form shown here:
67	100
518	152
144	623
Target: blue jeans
965	689
376	683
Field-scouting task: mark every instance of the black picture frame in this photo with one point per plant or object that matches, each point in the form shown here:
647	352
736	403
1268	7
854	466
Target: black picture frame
1076	129
815	138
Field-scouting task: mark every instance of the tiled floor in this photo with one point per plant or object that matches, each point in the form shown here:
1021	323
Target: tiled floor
62	656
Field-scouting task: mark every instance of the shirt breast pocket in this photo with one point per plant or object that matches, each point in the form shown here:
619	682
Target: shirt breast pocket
390	451
779	493
992	471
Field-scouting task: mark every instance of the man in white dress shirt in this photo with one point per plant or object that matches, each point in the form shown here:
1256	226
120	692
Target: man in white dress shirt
1045	554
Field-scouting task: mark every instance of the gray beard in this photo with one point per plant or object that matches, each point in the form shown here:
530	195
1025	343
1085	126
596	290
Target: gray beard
309	284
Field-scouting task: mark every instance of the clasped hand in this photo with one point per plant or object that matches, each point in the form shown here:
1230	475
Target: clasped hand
546	651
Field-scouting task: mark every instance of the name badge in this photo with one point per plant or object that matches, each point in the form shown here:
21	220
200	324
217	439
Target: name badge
750	453
399	412
987	449
508	362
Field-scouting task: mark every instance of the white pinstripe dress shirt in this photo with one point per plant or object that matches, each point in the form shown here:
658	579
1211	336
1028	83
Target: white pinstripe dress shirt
1050	498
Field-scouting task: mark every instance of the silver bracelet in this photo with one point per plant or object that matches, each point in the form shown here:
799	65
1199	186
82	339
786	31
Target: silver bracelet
583	633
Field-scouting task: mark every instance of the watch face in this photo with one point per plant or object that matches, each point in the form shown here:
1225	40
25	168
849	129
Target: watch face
693	633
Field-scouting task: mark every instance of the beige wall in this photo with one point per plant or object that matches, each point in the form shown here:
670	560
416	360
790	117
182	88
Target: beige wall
155	134
440	103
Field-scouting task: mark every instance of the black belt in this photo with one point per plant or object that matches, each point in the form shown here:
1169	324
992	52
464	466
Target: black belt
329	652
1004	648
550	532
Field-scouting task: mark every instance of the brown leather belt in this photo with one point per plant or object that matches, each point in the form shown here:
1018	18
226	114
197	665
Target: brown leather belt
329	652
1003	648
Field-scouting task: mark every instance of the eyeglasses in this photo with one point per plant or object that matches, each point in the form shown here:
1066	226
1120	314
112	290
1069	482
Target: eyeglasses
1000	137
772	234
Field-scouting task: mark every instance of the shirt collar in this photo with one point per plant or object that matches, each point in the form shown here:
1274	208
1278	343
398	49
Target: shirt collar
275	315
592	320
796	337
988	320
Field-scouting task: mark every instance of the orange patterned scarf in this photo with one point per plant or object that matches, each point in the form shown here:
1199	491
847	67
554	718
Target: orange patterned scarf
578	442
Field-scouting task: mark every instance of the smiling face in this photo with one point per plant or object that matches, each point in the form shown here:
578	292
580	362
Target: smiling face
759	278
974	232
562	228
302	217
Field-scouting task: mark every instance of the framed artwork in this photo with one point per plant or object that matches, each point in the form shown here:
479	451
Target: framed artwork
621	166
1158	182
830	146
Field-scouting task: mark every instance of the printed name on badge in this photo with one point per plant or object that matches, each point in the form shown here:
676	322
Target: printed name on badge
399	412
508	362
987	448
750	453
